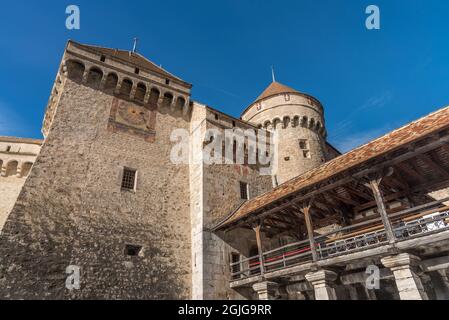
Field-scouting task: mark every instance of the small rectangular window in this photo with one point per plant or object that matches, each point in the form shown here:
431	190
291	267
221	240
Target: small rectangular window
306	153
244	191
132	250
167	82
303	144
129	179
137	71
103	58
8	148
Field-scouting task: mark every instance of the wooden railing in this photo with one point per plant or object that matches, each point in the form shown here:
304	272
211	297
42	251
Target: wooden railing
407	224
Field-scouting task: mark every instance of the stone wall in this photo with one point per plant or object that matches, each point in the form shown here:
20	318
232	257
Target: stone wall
221	197
16	159
72	210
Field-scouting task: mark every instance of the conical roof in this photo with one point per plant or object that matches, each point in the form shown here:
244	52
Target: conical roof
275	88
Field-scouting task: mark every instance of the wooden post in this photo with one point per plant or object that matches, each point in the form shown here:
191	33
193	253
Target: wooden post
309	224
374	183
259	247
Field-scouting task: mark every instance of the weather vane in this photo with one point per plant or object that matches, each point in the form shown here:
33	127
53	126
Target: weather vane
135	44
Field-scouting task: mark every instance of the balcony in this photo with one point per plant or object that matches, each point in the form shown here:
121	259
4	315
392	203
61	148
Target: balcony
408	224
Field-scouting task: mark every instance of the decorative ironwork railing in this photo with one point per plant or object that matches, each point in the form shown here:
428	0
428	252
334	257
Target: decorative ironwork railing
349	239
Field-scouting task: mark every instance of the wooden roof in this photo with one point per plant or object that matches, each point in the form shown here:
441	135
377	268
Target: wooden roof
411	132
275	88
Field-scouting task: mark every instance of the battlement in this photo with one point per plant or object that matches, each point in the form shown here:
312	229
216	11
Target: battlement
296	121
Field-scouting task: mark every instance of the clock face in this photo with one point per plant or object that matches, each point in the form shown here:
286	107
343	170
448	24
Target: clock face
127	117
132	114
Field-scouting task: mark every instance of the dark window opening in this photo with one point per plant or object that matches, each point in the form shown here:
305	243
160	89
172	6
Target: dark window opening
111	82
126	87
233	123
287	158
8	148
137	71
303	144
141	91
154	96
132	250
235	260
216	116
94	77
129	179
167	82
103	58
244	191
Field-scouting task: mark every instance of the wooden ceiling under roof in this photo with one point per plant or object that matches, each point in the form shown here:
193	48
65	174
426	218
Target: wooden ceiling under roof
420	163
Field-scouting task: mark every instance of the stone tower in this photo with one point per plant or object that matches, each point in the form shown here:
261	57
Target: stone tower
299	121
103	196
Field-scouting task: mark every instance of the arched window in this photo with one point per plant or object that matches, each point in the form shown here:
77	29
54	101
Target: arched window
276	121
111	82
286	121
126	87
296	121
11	168
168	99
75	70
304	121
312	123
141	90
26	168
94	77
180	102
267	124
154	96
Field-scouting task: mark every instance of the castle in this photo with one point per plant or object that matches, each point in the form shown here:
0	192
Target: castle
103	195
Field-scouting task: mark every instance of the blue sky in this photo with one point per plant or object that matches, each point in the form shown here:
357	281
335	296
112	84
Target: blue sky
369	81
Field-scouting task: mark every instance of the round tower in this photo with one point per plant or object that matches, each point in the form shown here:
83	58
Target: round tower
299	121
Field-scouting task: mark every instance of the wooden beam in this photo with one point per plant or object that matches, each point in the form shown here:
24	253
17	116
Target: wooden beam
358	193
409	170
336	196
399	181
306	211
374	203
433	161
259	248
374	183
